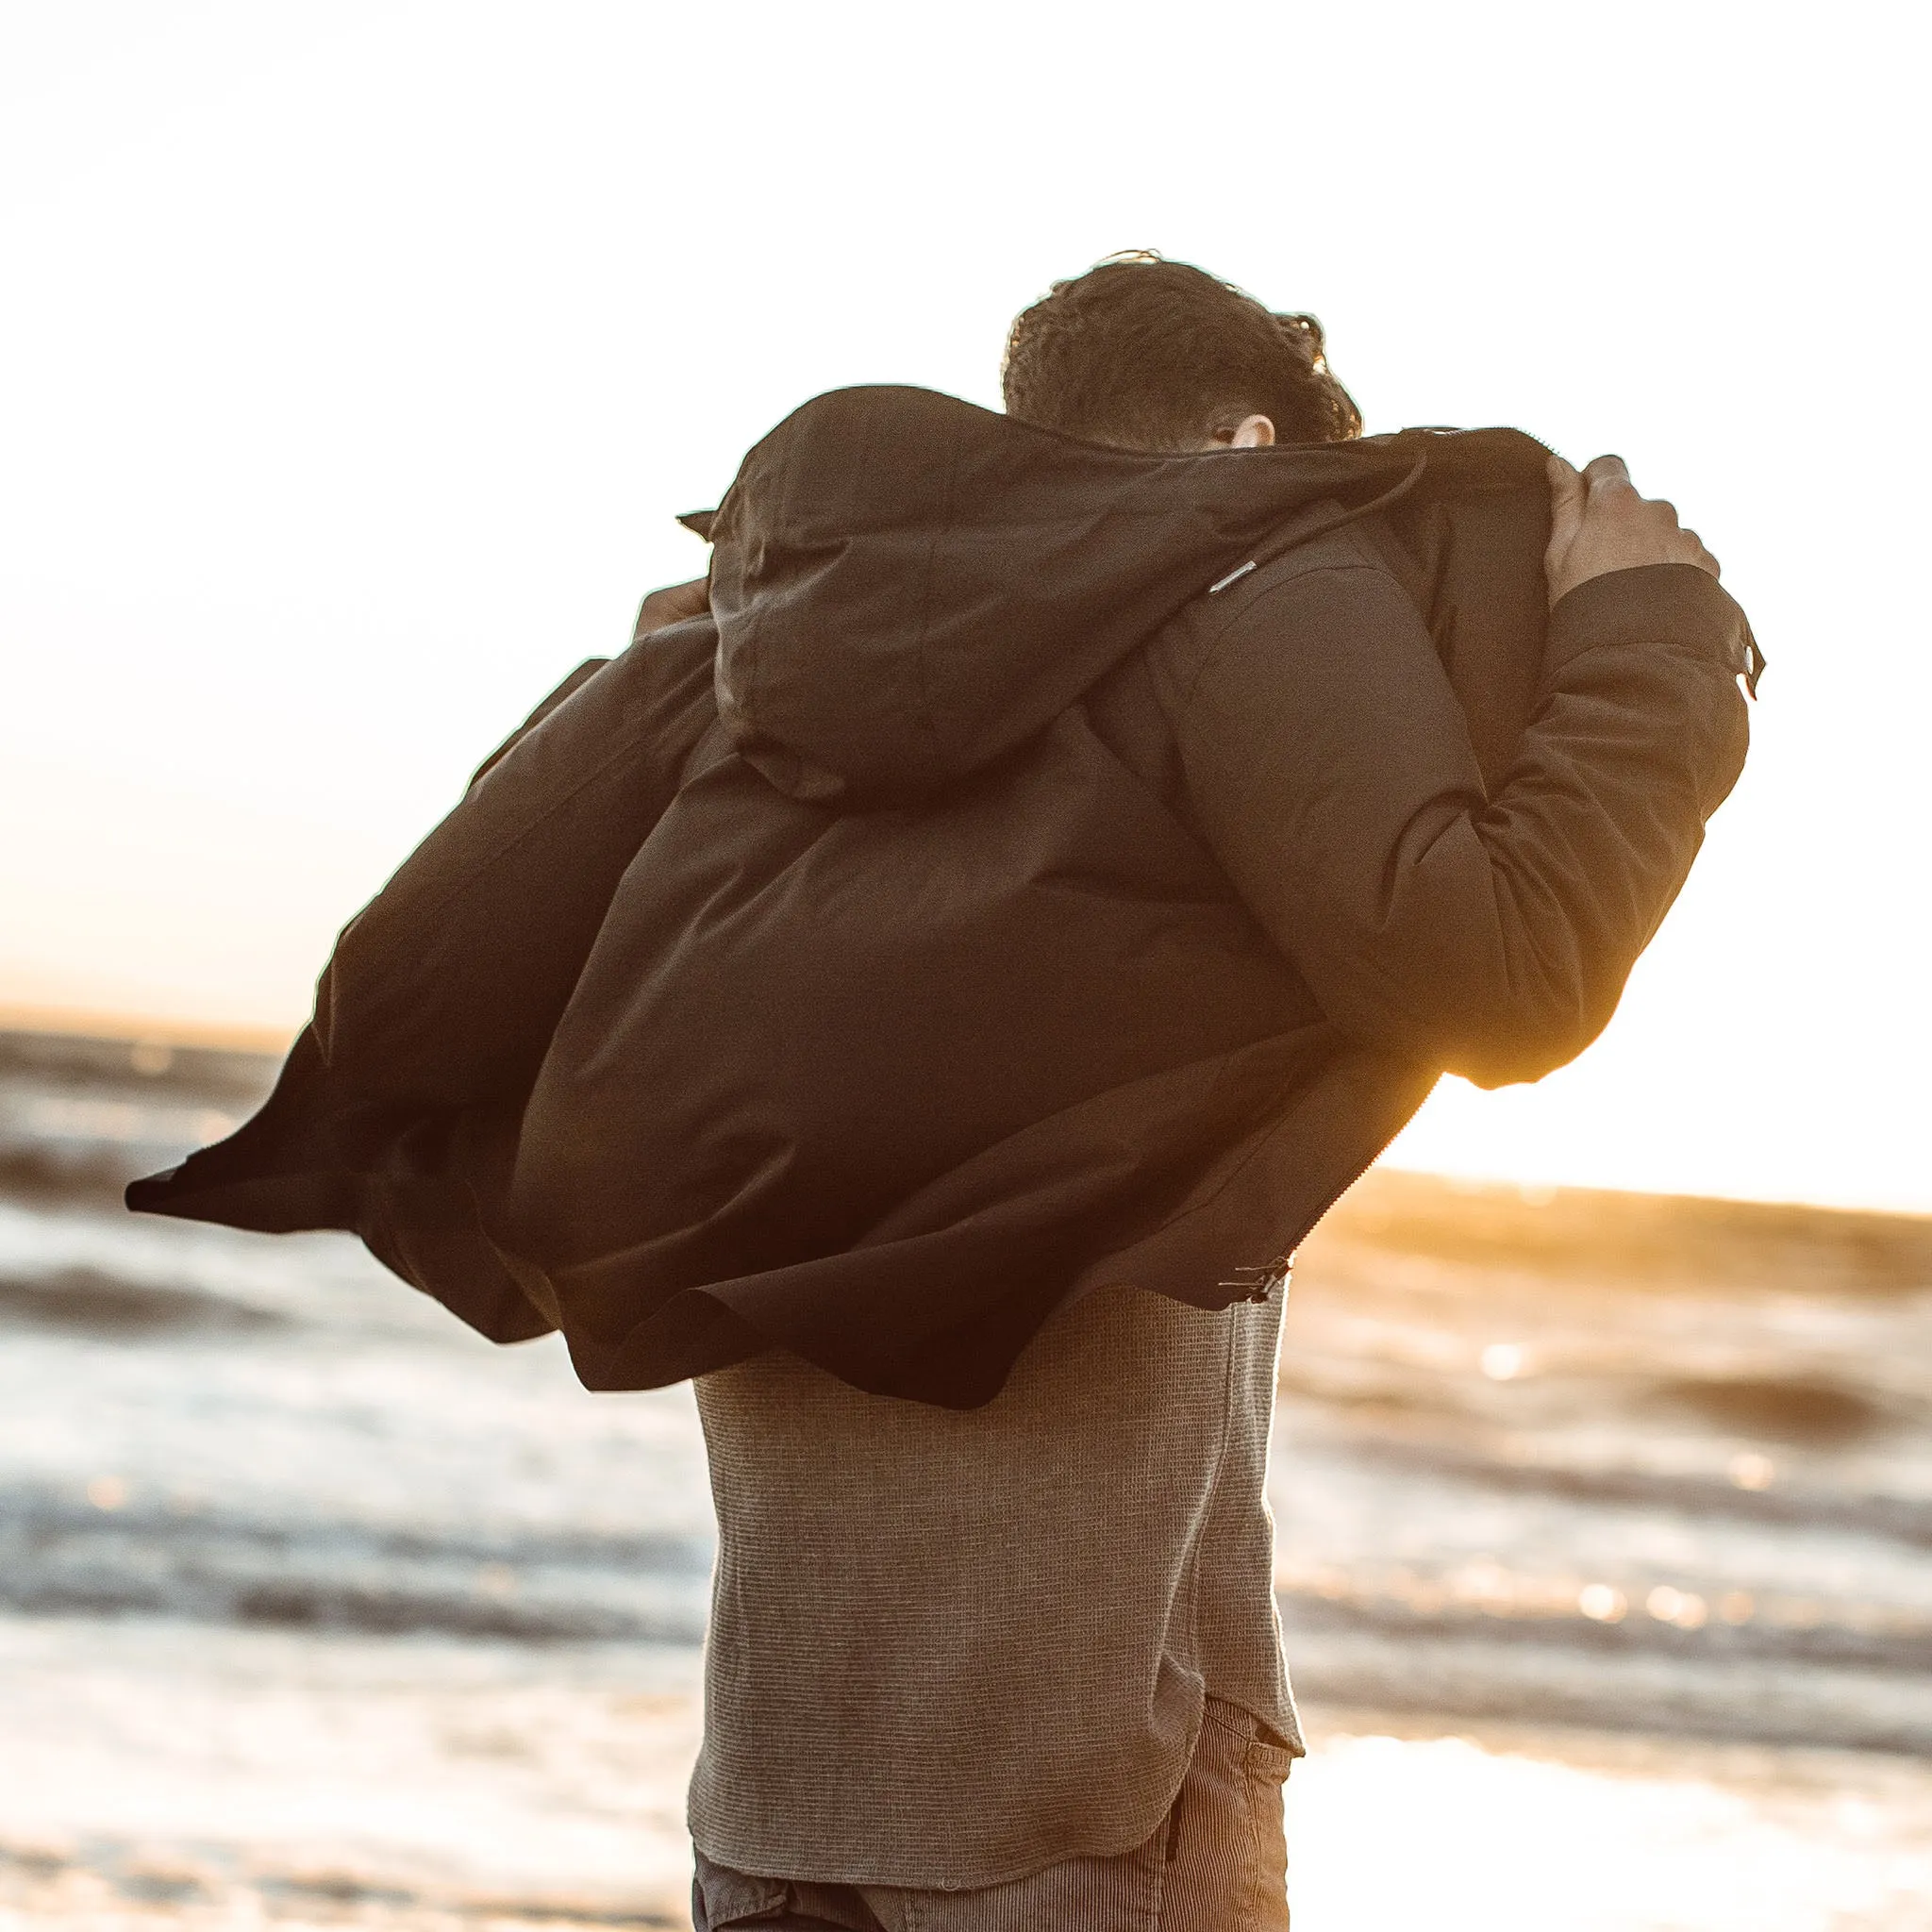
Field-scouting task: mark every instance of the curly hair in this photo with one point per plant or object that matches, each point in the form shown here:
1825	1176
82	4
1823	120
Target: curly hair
1148	354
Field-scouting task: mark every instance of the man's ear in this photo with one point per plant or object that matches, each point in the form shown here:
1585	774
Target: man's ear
1251	432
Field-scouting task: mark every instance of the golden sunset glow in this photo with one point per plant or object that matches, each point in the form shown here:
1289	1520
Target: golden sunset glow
371	352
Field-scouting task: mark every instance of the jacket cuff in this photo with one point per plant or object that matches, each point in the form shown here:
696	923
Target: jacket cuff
1672	604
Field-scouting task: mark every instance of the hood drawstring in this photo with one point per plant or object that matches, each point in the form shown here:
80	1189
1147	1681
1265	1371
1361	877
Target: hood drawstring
1294	535
1753	662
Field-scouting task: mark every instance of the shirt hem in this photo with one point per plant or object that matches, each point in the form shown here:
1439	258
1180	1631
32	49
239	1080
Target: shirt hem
812	1868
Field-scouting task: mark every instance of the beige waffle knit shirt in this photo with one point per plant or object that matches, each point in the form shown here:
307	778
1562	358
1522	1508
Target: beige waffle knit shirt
948	1649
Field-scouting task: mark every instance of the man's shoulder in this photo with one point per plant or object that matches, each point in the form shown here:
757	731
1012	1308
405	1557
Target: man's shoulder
1183	649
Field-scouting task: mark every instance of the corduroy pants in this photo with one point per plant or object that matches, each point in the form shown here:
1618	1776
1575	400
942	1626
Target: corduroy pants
1219	1863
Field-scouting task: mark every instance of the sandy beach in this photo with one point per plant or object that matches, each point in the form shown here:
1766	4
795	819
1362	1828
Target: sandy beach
164	1775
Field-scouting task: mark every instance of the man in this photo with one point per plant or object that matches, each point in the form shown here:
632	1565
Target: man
927	998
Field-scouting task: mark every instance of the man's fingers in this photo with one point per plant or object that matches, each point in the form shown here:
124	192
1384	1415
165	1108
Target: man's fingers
1566	491
1599	524
671	605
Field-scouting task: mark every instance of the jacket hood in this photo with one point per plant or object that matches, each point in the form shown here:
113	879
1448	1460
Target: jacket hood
907	586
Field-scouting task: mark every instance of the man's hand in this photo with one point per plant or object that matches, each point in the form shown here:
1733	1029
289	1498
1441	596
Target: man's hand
1599	524
672	604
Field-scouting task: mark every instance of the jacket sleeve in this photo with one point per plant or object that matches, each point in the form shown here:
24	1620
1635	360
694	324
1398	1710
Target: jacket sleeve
401	1098
581	675
1331	772
444	989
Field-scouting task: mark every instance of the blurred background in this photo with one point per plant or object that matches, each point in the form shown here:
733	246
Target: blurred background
354	364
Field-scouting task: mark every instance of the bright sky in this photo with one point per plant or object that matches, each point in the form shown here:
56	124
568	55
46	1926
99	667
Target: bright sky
355	357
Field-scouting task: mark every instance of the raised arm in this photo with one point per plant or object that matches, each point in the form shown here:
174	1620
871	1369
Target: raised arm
401	1096
1331	770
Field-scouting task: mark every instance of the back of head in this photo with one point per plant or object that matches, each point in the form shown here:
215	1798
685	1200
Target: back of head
1152	355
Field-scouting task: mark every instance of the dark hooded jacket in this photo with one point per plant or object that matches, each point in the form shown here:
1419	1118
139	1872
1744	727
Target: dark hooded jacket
1048	867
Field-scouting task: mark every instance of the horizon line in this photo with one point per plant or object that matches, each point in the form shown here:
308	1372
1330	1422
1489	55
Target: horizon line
98	1024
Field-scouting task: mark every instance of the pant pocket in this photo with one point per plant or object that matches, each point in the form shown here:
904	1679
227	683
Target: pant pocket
1265	1766
723	1900
1228	1865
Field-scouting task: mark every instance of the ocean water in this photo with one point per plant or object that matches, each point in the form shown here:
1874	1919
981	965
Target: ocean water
1604	1531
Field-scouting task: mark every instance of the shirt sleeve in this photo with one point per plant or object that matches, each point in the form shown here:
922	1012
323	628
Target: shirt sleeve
1331	771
